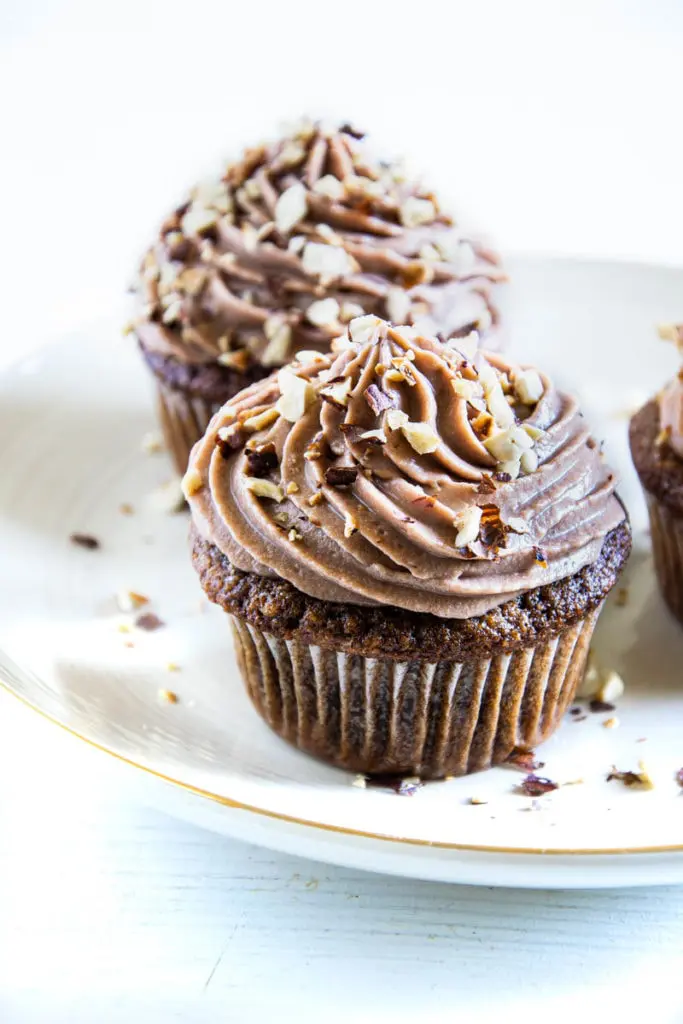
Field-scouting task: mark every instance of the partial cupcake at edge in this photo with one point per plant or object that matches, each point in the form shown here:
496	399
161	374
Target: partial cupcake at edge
656	438
279	253
413	541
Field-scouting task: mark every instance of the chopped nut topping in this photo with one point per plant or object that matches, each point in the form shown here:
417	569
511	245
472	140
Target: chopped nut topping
467	523
477	801
192	482
264	489
398	305
168	695
296	394
329	186
129	600
323	313
229	439
500	409
152	443
350	525
671	332
350	311
279	344
290	208
467	389
327	260
414	212
306	355
316	499
378	436
338	394
238	360
126	509
292	488
340	476
363	328
611	687
198	219
421	437
294	535
261	420
611	723
395	419
296	244
528	386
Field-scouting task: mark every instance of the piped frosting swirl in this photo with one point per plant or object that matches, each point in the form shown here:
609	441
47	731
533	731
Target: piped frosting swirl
400	470
294	241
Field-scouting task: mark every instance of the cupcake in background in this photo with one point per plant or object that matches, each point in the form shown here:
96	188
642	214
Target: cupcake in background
413	542
656	438
279	253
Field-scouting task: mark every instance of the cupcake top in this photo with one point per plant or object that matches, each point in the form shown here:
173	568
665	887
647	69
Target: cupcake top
294	241
404	471
671	397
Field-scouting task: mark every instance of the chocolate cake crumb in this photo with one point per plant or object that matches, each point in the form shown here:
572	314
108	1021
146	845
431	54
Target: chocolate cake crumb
600	706
85	540
400	785
523	761
261	460
149	622
340	476
536	785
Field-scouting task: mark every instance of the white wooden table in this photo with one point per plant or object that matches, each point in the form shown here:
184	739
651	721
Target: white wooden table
567	140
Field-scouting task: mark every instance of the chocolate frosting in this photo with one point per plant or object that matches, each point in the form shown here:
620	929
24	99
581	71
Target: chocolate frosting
240	273
671	397
399	471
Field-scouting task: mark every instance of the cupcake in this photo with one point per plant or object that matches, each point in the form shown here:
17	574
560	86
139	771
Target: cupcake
413	543
656	438
278	254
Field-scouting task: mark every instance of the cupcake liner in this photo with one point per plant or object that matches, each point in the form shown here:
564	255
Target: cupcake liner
377	715
184	419
667	547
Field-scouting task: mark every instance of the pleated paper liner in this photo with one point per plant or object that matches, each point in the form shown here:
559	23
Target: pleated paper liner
667	547
183	419
377	715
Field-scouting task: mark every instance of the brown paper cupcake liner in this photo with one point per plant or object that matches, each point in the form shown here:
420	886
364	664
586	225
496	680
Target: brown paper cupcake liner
377	715
667	547
183	419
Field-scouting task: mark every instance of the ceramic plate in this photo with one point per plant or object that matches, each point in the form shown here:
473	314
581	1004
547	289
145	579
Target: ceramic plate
71	460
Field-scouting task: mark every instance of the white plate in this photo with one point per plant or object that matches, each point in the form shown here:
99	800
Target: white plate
71	423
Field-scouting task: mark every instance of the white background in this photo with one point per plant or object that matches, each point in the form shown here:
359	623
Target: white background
555	126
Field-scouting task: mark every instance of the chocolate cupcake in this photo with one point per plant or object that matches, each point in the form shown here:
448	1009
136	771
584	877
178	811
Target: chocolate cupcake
656	437
278	254
413	543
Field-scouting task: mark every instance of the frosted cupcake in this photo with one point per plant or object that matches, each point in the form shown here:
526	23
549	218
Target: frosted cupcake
282	251
413	543
656	437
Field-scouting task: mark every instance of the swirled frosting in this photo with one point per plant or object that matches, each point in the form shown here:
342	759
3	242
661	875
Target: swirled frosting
403	471
671	397
294	241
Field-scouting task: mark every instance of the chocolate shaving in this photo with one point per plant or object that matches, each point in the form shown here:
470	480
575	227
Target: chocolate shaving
486	485
401	786
600	705
149	622
523	760
340	476
85	540
502	478
377	399
492	529
231	443
347	129
536	785
261	460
